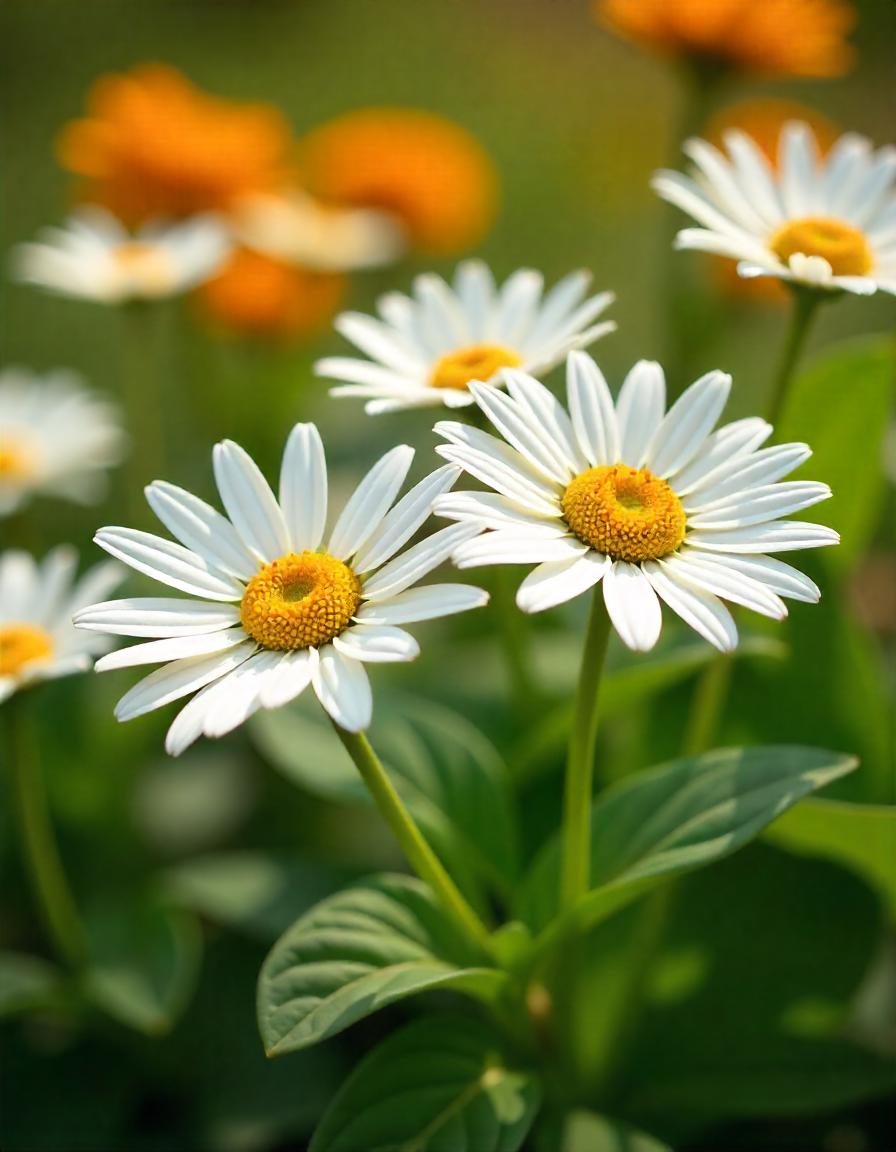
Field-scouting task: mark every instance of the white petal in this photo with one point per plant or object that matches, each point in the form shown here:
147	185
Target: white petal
427	603
399	525
343	688
157	616
55	578
591	409
96	583
369	502
499	466
378	341
757	505
632	605
179	679
417	562
203	530
377	644
639	410
744	471
777	536
719	451
687	424
169	563
774	574
250	502
475	288
705	613
491	510
545	411
439	314
172	648
723	185
720	580
556	581
558	303
303	488
371	379
507	547
517	305
289	679
238	695
524	434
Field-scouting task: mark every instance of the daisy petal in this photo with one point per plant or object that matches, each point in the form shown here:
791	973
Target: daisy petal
303	488
527	436
719	450
343	689
744	471
547	413
179	678
774	574
369	502
238	695
591	409
200	528
491	510
399	525
556	581
250	502
168	563
377	644
719	580
774	537
157	616
429	603
639	410
499	466
757	505
507	547
632	605
687	424
289	679
172	648
705	613
417	562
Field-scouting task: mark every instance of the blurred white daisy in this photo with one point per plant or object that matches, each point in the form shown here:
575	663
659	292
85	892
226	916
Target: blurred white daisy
823	222
427	348
657	506
274	612
96	258
57	438
294	227
37	601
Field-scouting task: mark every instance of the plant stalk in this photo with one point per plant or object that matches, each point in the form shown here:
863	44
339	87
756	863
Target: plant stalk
805	305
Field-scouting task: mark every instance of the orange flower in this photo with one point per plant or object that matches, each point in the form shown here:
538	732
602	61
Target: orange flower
269	299
153	144
783	37
431	173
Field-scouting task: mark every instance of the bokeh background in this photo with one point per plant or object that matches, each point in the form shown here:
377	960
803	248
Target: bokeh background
575	121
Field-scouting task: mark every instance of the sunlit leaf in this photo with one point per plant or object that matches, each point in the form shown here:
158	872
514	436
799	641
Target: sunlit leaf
26	982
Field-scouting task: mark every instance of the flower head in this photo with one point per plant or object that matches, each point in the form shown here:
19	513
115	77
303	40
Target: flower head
427	348
271	610
430	174
154	145
37	601
777	37
270	299
95	258
56	438
655	504
825	223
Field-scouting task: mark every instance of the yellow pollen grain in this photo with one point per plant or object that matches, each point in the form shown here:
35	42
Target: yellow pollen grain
626	513
844	247
22	644
301	600
477	362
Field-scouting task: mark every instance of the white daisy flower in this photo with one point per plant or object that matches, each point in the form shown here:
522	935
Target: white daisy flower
57	438
826	223
426	348
94	257
659	507
274	612
37	638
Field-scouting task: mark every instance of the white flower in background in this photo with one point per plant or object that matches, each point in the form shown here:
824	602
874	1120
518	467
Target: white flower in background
296	228
274	612
57	438
94	257
658	506
427	348
37	638
824	222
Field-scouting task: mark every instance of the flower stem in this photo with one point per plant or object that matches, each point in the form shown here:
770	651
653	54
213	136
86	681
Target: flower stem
41	854
805	303
580	760
419	854
144	402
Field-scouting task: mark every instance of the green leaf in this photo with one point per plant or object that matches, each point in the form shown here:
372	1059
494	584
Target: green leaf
251	892
441	1083
144	960
26	983
680	816
357	952
588	1132
861	836
448	774
841	406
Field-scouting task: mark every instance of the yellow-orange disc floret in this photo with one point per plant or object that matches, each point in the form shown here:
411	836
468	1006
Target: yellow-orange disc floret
778	37
22	644
626	513
477	362
259	296
153	144
844	247
431	173
301	600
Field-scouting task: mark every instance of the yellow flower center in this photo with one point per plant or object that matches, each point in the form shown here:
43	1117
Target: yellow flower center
300	601
845	248
626	513
146	265
22	644
478	362
15	461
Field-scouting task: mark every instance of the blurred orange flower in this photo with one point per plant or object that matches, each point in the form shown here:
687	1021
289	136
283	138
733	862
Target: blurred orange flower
153	144
431	173
782	37
259	296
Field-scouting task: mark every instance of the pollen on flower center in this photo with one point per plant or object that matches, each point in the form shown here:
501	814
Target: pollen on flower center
476	362
844	247
22	644
301	600
16	460
626	513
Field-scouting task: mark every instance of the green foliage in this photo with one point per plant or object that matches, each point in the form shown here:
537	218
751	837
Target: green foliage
357	952
440	1083
587	1132
26	983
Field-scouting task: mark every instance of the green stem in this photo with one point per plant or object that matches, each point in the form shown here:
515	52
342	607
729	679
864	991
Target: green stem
708	704
580	760
515	641
805	303
144	402
41	854
419	854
